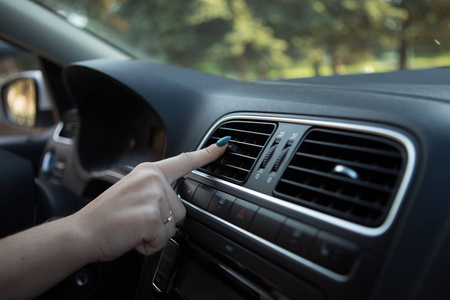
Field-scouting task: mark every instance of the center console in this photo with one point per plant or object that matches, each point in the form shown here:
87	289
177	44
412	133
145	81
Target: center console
295	209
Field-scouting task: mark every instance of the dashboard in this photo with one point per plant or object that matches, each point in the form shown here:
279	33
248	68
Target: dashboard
331	188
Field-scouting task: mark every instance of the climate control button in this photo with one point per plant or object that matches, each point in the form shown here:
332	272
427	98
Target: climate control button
297	237
221	204
203	196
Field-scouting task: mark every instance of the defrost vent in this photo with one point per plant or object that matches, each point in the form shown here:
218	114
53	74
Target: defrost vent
250	138
348	175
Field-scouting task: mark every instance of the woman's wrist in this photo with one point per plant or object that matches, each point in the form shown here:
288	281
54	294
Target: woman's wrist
80	238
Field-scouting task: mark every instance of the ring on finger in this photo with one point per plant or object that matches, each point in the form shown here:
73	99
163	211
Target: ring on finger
170	218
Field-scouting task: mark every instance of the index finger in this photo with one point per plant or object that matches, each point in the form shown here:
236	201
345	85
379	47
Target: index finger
178	166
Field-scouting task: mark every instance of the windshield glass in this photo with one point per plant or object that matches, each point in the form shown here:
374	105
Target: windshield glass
251	39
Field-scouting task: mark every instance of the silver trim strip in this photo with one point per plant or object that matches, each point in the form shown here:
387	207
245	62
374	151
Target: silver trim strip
296	258
360	229
59	139
155	286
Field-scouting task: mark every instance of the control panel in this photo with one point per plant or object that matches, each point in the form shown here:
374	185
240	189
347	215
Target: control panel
320	247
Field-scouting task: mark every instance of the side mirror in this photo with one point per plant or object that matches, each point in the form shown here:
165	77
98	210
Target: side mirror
25	100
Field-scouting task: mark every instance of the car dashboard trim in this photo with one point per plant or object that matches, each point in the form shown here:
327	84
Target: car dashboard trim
380	131
335	276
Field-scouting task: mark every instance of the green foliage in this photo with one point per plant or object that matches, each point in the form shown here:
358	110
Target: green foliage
271	38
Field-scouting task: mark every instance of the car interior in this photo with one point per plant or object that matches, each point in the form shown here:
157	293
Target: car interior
331	187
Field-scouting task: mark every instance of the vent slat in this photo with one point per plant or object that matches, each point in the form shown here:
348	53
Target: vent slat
236	168
357	213
243	143
246	131
353	176
355	148
214	138
344	179
250	138
242	156
352	200
351	163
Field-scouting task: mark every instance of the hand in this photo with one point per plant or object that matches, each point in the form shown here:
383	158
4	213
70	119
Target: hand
133	213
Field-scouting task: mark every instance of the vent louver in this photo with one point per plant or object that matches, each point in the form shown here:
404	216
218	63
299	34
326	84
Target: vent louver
250	139
349	175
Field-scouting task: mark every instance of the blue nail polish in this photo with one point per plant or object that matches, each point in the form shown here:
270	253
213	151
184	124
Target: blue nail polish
223	141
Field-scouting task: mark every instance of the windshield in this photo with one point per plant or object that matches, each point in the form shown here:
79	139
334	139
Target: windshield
251	39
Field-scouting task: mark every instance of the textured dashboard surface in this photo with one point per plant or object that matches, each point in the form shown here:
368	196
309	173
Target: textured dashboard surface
410	109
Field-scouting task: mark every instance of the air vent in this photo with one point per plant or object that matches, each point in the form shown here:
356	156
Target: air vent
250	139
348	175
71	124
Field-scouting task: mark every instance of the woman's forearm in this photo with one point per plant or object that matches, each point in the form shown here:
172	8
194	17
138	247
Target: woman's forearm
35	260
133	213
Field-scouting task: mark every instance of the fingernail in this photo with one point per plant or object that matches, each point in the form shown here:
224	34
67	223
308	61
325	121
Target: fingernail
223	141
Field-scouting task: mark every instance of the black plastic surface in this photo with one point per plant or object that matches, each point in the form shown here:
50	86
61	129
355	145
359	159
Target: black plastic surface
273	276
413	103
17	194
203	196
267	224
55	201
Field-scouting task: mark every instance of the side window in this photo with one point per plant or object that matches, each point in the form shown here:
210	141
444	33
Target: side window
25	104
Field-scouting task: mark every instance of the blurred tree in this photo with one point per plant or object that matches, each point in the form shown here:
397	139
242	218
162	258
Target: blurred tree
426	28
193	33
260	38
250	44
345	31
